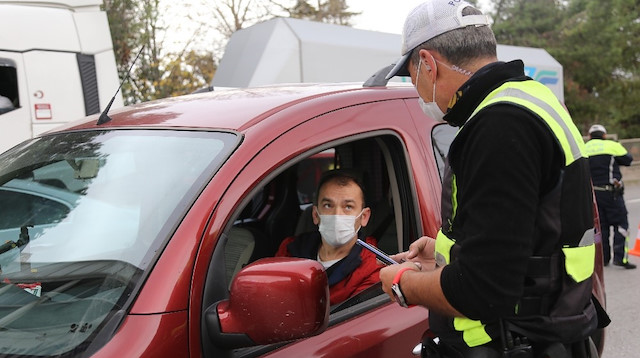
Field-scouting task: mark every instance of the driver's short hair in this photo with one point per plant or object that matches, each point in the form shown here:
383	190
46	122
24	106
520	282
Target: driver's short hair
342	177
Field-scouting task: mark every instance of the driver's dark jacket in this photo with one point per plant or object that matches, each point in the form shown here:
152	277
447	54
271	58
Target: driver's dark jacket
514	200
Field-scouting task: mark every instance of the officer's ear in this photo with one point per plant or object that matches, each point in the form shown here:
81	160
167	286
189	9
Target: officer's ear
430	63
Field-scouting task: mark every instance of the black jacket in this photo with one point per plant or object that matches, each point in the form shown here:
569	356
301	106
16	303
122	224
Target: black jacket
506	163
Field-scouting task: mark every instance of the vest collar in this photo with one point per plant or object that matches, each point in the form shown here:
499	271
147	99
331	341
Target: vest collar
485	80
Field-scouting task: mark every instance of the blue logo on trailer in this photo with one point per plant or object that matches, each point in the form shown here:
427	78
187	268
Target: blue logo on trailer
545	77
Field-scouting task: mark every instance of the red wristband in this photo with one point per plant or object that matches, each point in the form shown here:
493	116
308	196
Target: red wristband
395	287
398	276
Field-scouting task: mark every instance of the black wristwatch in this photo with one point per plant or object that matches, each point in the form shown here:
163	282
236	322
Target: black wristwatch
395	288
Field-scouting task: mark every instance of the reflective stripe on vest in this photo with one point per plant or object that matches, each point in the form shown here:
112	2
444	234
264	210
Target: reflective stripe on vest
473	332
541	101
604	147
443	249
579	261
537	98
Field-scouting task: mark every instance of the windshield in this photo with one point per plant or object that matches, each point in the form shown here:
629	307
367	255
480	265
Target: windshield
82	215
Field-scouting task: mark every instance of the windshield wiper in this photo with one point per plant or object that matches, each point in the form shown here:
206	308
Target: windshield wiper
6	320
23	239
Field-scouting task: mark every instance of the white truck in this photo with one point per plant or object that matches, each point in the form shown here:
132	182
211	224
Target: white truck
285	50
56	65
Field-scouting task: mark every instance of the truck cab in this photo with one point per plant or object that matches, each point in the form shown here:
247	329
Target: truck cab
56	65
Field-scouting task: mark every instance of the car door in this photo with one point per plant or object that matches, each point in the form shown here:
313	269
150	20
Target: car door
380	137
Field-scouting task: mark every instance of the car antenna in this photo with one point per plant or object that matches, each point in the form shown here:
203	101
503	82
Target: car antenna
104	117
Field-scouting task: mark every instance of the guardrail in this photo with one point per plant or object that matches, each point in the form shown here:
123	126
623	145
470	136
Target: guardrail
631	173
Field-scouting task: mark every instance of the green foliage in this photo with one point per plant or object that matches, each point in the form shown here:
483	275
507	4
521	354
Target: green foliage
186	73
329	11
125	30
597	43
530	23
135	28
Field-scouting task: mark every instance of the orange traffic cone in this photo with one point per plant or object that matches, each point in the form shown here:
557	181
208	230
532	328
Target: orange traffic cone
636	248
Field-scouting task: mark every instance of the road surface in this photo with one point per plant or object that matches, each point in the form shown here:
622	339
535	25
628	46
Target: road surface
623	292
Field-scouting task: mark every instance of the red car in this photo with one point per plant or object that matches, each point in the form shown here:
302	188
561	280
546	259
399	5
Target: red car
153	234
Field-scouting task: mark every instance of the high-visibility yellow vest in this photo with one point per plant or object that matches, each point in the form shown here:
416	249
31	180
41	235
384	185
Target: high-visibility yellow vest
578	255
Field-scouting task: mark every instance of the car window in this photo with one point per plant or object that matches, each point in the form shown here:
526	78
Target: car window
9	99
281	208
19	208
442	135
309	171
81	222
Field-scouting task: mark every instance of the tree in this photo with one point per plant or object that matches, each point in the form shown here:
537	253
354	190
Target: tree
600	53
137	28
624	90
234	15
186	73
598	45
532	23
330	11
125	31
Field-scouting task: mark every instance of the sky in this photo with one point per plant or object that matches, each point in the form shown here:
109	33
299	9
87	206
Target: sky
376	15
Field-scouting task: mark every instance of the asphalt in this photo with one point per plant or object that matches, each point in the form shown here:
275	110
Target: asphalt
623	291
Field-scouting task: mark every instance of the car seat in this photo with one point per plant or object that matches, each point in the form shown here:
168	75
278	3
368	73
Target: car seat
283	217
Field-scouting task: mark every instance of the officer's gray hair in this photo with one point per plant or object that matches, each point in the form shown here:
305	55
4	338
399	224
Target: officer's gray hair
460	47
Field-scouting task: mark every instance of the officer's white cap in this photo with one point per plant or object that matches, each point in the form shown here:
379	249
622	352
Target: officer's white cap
428	20
597	128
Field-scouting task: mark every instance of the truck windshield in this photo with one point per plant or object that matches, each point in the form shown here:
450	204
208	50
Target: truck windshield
82	216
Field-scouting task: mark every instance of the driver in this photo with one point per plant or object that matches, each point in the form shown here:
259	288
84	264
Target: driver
340	212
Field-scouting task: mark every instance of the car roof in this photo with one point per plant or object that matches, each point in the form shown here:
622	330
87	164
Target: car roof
239	109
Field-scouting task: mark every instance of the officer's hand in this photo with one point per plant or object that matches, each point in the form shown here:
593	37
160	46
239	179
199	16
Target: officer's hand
422	252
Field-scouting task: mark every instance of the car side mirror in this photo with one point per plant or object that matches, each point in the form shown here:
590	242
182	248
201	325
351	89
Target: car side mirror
271	300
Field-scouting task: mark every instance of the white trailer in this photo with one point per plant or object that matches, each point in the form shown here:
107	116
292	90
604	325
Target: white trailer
285	50
56	65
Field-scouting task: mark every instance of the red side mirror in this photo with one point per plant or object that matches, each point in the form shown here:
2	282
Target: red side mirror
272	300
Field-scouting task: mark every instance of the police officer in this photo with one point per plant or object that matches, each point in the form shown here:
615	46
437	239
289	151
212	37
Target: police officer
605	159
516	249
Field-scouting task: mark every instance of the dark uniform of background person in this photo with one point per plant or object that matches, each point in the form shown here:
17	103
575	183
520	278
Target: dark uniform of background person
605	159
516	251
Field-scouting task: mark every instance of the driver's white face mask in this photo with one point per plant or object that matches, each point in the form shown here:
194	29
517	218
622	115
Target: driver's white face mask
431	109
337	230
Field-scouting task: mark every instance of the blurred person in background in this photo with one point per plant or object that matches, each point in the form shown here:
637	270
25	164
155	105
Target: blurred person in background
605	158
